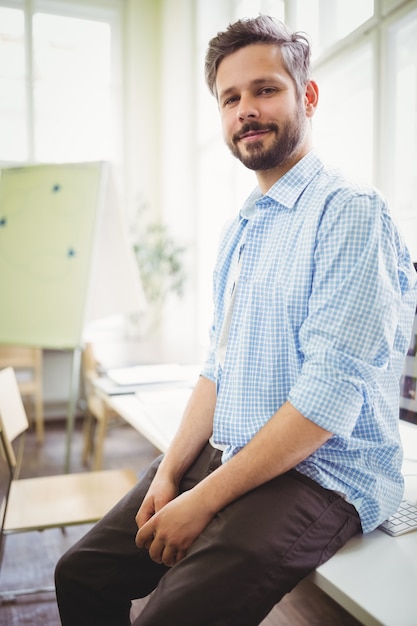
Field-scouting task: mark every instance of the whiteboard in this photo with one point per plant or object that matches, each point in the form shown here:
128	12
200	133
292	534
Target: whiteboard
48	217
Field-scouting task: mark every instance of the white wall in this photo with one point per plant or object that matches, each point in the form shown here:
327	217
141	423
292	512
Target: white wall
143	133
160	136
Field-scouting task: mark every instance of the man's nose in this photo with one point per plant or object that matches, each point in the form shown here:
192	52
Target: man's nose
247	109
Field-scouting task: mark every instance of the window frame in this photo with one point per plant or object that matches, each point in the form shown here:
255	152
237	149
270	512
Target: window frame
109	11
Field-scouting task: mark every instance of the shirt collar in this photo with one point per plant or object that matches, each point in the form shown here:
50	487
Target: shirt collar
287	189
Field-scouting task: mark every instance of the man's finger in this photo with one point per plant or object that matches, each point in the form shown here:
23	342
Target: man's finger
145	536
156	550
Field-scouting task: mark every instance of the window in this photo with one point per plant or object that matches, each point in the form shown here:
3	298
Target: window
71	88
329	21
13	119
344	120
251	8
59	82
401	138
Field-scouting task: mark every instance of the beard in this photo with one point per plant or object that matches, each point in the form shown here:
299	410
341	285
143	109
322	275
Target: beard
286	141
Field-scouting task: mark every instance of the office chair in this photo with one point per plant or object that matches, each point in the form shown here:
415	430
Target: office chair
47	502
27	360
98	412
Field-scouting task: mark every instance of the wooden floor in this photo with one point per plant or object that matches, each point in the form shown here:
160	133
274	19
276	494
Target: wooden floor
29	558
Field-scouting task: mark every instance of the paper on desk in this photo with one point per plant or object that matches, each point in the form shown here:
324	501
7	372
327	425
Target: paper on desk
164	408
149	374
173	397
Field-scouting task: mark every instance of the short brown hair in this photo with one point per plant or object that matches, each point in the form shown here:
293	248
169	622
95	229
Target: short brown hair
295	47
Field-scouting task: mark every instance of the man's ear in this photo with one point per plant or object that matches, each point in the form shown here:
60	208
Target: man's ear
311	98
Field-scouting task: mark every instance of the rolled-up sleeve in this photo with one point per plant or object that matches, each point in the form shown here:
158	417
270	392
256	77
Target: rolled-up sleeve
349	334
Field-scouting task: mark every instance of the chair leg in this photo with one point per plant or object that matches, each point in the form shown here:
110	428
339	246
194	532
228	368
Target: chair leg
8	597
40	429
88	437
99	441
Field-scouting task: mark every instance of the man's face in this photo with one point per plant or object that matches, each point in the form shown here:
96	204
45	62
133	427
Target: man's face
264	122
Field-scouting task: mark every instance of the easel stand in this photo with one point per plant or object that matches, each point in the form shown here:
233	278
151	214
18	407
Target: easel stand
65	217
72	404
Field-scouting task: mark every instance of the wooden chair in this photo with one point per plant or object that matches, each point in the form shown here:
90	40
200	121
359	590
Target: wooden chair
98	411
26	360
50	501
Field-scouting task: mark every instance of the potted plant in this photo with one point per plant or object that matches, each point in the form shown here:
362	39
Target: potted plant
160	260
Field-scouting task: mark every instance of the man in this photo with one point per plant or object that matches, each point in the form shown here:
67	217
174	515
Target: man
314	296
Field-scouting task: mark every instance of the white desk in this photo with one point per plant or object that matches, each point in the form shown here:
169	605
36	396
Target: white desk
374	577
155	414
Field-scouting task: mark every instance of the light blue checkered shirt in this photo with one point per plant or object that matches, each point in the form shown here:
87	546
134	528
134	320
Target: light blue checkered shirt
322	317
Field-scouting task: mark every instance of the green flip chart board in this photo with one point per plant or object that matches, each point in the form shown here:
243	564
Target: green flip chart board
48	224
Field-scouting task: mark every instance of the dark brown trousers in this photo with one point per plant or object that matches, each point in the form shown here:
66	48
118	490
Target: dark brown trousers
251	554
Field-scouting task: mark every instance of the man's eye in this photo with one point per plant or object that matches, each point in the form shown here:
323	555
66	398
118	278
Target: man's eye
230	101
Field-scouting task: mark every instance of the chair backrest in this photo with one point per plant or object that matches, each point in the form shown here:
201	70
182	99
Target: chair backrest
24	359
89	372
89	363
13	419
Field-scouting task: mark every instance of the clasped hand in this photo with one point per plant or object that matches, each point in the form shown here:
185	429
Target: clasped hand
168	526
